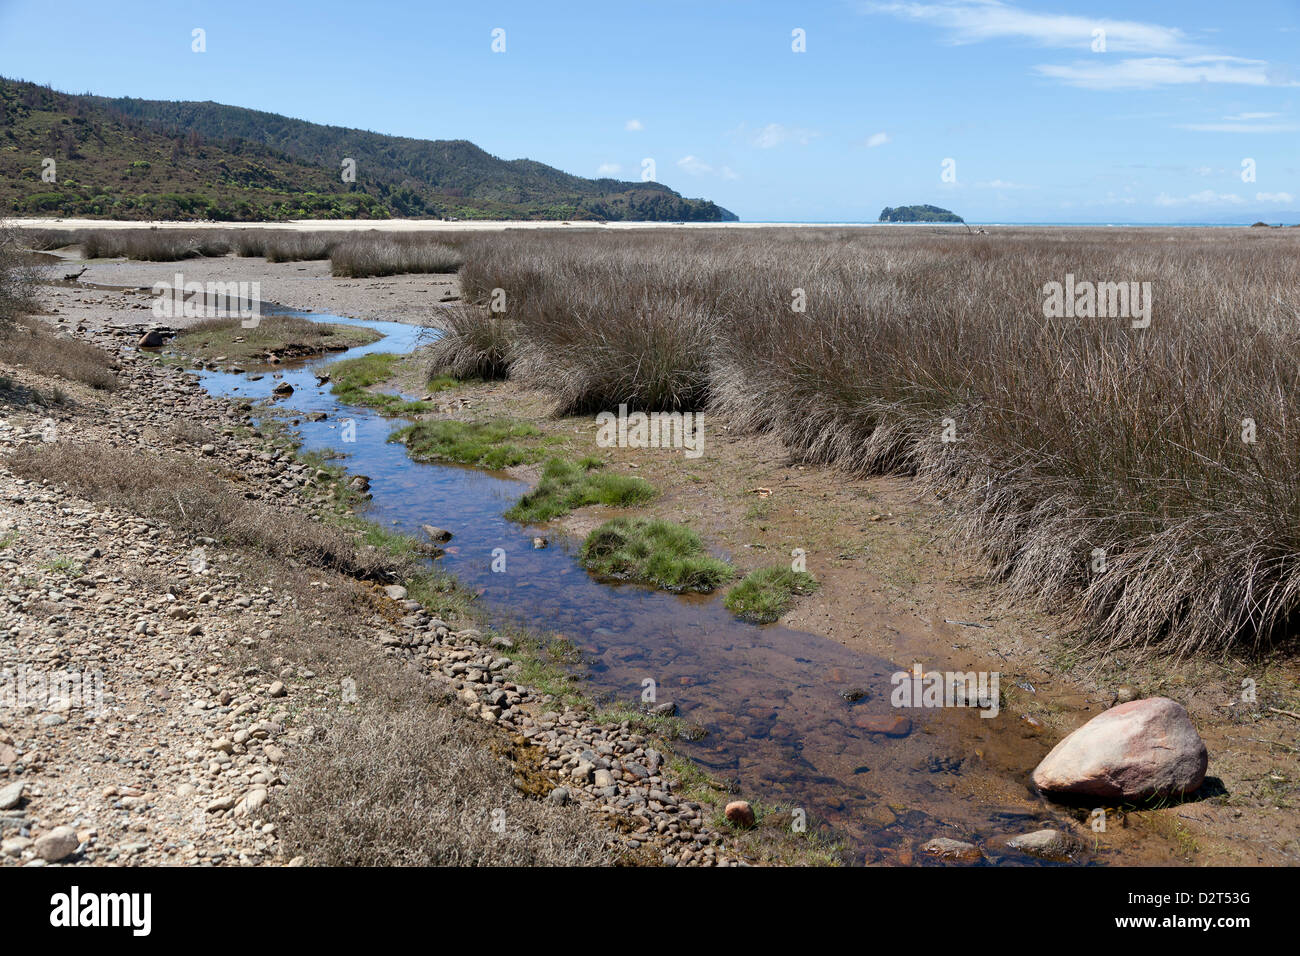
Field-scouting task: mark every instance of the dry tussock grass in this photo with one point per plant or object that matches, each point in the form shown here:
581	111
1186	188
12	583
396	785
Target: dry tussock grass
31	345
1074	437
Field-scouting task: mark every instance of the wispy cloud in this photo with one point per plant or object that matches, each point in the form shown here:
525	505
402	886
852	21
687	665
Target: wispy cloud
698	167
634	126
775	134
877	139
973	21
1171	56
1275	197
608	169
1227	126
1154	71
1207	197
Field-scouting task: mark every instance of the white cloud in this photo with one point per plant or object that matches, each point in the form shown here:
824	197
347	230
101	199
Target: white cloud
608	169
1207	197
774	134
694	166
1274	197
1150	72
973	21
698	167
877	139
634	126
1245	117
1003	184
1173	58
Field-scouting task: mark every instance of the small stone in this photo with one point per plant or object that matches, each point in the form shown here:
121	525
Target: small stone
539	543
222	803
208	450
11	795
284	388
1048	844
439	535
253	801
151	340
59	844
395	592
276	689
559	795
740	813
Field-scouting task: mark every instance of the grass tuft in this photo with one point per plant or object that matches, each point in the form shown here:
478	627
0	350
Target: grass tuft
489	444
652	551
765	594
565	486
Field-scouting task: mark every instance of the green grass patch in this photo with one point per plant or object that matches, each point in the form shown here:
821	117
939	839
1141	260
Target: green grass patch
652	551
441	383
353	378
493	444
764	595
567	485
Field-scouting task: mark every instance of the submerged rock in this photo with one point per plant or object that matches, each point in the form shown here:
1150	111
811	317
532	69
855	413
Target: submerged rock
891	725
1047	844
954	851
1135	751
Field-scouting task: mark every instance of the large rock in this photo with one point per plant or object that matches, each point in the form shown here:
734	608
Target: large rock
1135	751
151	340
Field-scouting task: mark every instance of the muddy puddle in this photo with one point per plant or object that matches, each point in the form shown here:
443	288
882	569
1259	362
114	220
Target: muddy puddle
787	717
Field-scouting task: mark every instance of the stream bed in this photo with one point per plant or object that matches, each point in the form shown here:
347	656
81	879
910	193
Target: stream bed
786	717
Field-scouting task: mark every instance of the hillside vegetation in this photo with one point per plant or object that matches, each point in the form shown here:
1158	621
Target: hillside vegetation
146	159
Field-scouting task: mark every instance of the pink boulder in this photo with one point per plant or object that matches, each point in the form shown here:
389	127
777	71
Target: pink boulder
1136	751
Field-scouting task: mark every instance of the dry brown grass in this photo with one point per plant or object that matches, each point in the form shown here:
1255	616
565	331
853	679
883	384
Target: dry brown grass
472	344
33	346
400	780
386	254
20	274
1072	435
192	499
153	245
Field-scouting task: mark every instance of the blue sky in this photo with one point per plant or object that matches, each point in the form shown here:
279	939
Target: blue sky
1040	126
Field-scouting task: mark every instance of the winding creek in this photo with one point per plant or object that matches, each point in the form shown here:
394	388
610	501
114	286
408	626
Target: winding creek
780	708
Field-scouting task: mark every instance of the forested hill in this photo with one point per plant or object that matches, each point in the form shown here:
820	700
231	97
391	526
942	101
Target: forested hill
150	159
